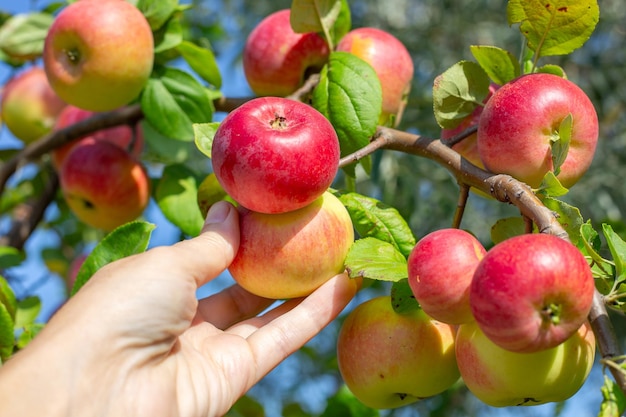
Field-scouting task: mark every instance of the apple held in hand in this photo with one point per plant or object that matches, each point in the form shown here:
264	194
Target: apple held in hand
441	267
274	155
531	292
391	61
291	254
29	105
276	59
123	136
501	378
522	118
389	360
104	185
98	54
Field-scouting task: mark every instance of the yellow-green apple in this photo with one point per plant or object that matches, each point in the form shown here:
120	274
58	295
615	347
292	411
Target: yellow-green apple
276	59
391	61
521	121
389	360
468	147
531	292
29	105
104	185
123	136
441	267
289	255
274	155
501	378
98	54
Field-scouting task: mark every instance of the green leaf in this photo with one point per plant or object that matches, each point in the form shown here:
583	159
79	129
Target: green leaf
552	69
560	143
28	334
162	149
350	96
372	218
375	259
506	228
128	239
403	300
176	194
27	311
500	65
314	15
568	216
554	27
168	37
173	100
246	406
157	12
613	399
345	404
551	186
7	338
7	297
202	61
10	256
617	246
204	134
457	92
210	192
590	246
23	35
343	24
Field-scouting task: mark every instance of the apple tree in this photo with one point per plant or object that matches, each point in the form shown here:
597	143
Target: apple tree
495	287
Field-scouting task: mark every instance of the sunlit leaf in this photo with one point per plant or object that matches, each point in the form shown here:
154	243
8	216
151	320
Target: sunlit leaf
23	35
372	258
314	15
157	12
402	299
202	61
27	311
499	64
204	134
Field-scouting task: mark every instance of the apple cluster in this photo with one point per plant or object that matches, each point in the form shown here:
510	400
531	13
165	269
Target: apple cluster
277	158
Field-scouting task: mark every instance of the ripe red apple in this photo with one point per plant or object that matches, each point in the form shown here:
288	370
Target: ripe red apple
520	120
29	105
291	254
274	155
98	54
276	59
391	61
441	267
123	136
468	147
501	378
389	360
104	185
531	292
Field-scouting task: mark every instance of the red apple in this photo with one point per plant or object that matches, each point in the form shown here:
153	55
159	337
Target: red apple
29	105
501	378
531	292
104	185
291	254
520	121
98	54
274	155
389	360
123	136
276	59
391	61
441	267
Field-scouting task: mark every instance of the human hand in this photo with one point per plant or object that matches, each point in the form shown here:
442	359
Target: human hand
135	341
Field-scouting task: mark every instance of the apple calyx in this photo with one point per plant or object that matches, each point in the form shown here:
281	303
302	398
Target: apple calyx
73	55
551	314
279	122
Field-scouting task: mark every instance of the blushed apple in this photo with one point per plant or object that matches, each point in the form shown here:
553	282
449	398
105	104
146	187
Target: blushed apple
531	292
441	267
29	105
123	136
98	54
391	61
276	59
522	118
274	155
390	360
501	378
291	254
104	185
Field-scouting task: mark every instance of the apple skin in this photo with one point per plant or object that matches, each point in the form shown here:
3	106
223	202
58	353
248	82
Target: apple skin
104	185
501	378
274	155
391	61
390	360
123	136
276	59
531	292
291	254
29	105
518	121
98	54
441	267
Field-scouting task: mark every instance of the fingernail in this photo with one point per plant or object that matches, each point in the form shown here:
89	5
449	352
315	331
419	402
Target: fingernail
218	212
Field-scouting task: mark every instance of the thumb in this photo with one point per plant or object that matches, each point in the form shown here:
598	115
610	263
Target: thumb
210	253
